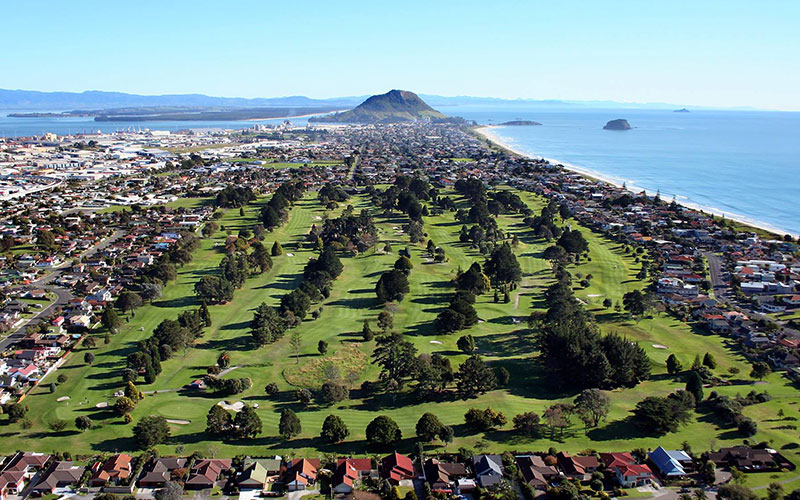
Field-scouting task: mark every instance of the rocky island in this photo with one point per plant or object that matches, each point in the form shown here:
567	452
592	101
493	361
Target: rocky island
682	110
520	123
618	124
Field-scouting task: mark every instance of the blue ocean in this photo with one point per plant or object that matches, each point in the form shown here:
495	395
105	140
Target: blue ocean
744	164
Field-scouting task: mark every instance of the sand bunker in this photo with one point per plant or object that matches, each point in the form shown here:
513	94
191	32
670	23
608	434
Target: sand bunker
62	398
178	422
237	406
436	342
101	405
659	346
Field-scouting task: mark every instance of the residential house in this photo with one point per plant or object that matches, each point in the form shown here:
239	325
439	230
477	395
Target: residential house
11	483
58	475
488	469
442	476
114	470
670	464
748	459
253	476
396	468
205	473
159	471
535	472
301	475
577	467
27	463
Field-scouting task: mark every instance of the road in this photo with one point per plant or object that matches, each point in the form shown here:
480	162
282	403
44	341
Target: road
63	295
718	282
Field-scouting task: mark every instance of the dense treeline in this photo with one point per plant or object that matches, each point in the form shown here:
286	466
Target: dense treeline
234	196
349	232
573	348
276	212
318	276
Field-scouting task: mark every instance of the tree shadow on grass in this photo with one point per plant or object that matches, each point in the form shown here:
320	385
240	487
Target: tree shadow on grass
241	325
355	303
239	343
187	301
618	430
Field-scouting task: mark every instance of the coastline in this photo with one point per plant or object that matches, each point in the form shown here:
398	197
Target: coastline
487	132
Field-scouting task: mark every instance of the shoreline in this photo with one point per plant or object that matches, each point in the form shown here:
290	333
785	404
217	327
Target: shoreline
486	131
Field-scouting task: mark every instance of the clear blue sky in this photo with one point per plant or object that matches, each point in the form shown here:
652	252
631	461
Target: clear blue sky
715	53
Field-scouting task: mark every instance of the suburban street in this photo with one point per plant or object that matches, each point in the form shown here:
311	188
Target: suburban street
63	295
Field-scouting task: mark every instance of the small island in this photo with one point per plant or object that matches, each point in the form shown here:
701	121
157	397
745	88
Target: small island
520	123
682	110
618	124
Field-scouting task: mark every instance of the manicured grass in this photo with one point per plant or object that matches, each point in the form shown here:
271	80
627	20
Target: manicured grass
502	337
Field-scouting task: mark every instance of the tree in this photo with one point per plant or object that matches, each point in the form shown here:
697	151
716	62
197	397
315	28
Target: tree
214	289
466	344
57	425
334	429
276	249
267	325
271	389
760	370
694	384
110	319
224	360
747	426
366	332
334	392
527	422
289	425
392	286
709	361
385	321
172	490
88	358
322	347
247	423
673	365
396	357
218	421
736	492
775	491
474	377
128	301
89	342
662	415
484	420
404	264
295	344
383	431
17	412
636	303
428	427
132	392
592	406
502	376
83	423
502	266
151	431
124	405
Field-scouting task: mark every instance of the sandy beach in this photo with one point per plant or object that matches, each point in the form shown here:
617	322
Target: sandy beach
488	132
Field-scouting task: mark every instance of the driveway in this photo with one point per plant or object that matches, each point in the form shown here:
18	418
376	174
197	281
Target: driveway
296	495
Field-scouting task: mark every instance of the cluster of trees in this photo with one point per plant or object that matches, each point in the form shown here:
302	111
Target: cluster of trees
502	266
227	386
393	284
484	420
276	212
318	275
168	337
461	313
150	431
234	269
405	195
267	325
220	422
330	195
544	225
729	410
429	427
661	415
574	350
234	196
354	233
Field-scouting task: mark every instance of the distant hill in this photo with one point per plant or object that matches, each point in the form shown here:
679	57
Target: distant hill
32	100
391	107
